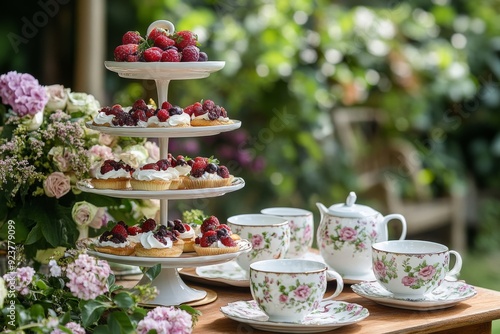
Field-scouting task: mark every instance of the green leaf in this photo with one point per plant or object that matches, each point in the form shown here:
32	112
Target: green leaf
34	235
37	312
41	284
153	272
101	329
91	311
120	323
123	300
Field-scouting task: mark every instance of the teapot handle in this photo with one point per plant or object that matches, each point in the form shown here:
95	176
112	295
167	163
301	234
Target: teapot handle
401	219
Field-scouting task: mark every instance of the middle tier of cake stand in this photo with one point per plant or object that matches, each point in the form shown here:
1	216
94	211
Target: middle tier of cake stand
171	288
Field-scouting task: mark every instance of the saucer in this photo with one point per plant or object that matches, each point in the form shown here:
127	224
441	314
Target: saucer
329	315
351	279
230	273
446	295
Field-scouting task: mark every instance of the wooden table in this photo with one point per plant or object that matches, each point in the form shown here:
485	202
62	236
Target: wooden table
473	316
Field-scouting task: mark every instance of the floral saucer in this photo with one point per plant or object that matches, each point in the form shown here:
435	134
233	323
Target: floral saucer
329	315
446	295
349	279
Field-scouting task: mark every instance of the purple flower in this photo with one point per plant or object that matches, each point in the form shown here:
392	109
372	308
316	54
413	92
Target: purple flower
23	93
166	320
20	279
88	277
72	326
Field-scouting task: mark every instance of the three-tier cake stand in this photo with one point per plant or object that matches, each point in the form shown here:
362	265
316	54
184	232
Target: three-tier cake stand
172	290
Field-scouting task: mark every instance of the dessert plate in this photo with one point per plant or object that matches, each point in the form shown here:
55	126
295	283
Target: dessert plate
230	273
185	260
446	295
171	132
328	316
164	70
238	183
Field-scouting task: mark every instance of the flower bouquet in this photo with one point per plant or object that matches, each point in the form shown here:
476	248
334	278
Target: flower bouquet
45	148
79	295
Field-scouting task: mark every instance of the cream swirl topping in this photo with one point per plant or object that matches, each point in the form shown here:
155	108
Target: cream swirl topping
187	234
148	241
174	120
205	117
102	118
112	244
113	174
151	174
183	170
206	176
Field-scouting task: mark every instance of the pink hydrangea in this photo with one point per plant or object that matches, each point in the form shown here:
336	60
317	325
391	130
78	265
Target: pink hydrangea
23	93
166	320
87	277
20	279
73	326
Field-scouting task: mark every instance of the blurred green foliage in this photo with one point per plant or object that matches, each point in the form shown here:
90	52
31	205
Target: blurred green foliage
433	67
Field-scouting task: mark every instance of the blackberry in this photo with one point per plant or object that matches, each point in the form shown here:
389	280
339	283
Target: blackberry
212	238
170	224
222	232
214	113
179	226
203	56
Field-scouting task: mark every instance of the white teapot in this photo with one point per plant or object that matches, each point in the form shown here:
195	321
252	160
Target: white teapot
346	233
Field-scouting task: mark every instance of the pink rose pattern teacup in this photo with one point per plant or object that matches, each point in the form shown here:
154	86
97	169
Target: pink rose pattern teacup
412	267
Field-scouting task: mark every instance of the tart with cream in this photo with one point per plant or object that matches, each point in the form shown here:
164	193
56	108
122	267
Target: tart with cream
115	241
184	232
161	243
207	113
215	238
207	173
112	175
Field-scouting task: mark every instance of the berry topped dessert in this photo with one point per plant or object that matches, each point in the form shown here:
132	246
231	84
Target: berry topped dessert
207	173
115	241
159	175
143	115
112	175
159	243
216	238
206	113
159	46
185	232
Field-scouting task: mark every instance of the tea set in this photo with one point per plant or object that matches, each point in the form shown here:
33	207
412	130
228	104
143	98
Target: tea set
288	281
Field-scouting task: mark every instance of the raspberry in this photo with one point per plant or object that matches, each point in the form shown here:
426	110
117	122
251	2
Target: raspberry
134	230
227	241
185	38
139	115
223	172
132	58
151	166
223	112
121	52
140	104
208	105
198	109
105	168
214	113
209	224
190	53
166	105
148	225
153	54
171	56
117	109
198	168
150	112
163	42
162	115
208	238
163	164
120	230
224	226
157	32
132	37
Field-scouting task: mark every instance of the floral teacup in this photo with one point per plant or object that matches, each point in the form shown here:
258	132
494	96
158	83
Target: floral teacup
301	229
412	268
269	235
287	290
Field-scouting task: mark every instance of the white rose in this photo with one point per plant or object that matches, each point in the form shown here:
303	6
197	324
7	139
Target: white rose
58	97
59	157
3	291
82	103
135	155
34	122
56	185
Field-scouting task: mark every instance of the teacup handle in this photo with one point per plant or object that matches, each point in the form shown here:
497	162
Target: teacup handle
399	217
340	283
453	273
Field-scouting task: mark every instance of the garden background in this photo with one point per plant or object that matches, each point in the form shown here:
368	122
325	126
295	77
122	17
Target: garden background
431	67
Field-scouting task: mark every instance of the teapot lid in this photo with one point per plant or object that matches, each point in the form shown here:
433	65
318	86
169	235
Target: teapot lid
351	210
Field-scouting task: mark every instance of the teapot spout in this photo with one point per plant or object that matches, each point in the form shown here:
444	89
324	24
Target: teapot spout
322	209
